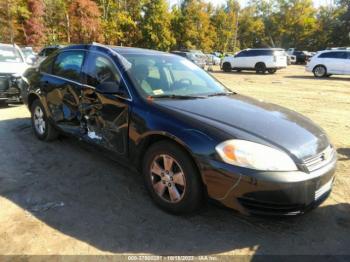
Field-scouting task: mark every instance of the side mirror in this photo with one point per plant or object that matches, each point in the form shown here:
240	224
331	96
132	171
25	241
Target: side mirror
109	87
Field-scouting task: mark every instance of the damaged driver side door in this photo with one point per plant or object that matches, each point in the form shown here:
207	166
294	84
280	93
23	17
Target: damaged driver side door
104	104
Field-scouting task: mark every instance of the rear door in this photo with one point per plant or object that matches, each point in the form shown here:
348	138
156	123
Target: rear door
104	114
335	61
61	85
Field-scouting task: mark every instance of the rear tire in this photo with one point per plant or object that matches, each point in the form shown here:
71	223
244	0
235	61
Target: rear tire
226	67
320	71
260	68
43	129
172	179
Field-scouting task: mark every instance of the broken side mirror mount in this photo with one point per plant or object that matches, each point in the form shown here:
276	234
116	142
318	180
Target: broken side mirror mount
108	87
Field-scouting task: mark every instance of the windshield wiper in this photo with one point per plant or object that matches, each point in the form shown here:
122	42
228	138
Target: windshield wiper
222	94
173	96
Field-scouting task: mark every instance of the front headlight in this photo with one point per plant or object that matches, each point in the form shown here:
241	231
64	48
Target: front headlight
255	156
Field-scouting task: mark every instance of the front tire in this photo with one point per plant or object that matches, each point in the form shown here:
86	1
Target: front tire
172	179
43	129
320	71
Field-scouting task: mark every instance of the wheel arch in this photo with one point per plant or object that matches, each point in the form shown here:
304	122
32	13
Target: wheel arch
319	65
31	98
152	138
257	63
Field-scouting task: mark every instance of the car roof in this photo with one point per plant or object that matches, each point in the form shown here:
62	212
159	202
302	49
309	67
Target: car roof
135	50
334	50
118	49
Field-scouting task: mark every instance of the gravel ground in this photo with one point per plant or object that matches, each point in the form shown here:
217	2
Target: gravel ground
64	198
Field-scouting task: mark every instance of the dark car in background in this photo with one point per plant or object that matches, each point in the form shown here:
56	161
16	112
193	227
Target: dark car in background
302	57
188	135
198	58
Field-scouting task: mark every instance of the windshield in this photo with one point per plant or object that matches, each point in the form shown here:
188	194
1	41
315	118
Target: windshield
10	54
159	75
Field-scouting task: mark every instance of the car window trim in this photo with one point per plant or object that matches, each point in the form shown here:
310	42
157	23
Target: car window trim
82	84
66	51
114	64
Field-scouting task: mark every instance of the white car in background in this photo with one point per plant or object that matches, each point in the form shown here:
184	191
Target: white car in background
213	59
12	66
330	62
259	60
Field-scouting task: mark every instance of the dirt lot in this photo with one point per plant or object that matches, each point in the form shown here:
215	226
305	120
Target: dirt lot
62	198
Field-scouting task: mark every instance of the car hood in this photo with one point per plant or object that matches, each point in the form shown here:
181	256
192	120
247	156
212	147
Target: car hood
13	68
277	126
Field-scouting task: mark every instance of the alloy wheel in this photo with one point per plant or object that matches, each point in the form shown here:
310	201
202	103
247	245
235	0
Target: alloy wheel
168	178
39	122
320	71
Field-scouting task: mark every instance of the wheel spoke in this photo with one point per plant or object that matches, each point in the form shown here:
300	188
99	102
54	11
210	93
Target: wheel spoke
156	169
179	179
159	188
168	163
174	193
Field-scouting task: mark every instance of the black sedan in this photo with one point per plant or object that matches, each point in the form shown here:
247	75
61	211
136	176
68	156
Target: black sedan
189	136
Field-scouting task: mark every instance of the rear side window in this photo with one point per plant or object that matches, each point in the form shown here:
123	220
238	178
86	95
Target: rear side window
336	55
68	64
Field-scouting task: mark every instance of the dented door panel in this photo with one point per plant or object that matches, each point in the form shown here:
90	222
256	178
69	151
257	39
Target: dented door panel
62	97
104	120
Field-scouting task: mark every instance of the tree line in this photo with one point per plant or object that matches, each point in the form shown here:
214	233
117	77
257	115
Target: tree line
194	24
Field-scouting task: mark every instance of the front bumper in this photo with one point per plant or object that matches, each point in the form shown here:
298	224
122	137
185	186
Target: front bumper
9	89
267	192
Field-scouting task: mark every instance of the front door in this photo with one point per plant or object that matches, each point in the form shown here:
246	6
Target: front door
104	114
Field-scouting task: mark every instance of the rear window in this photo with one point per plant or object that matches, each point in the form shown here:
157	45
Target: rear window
335	55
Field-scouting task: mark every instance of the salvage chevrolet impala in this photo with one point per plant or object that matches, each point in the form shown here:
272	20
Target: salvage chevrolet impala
189	136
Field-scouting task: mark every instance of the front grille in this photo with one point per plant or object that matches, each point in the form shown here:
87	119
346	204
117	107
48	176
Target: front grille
320	160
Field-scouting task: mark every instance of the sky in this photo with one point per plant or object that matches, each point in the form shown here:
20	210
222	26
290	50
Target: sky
244	2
